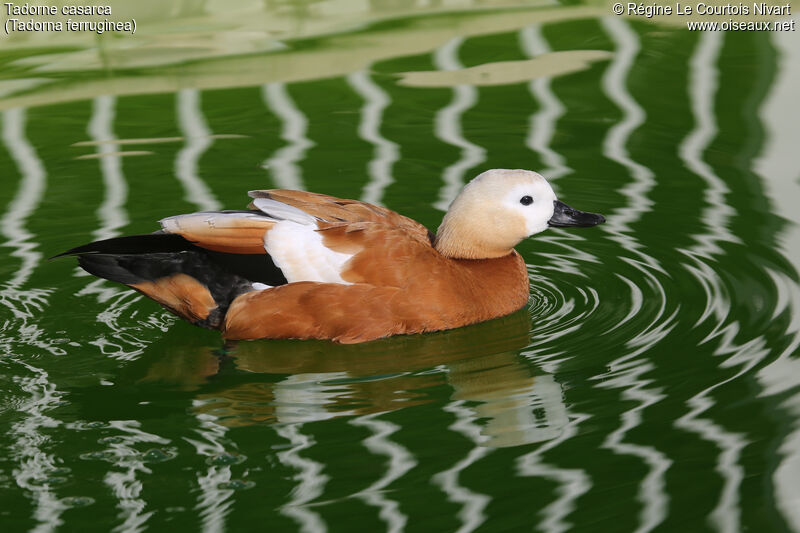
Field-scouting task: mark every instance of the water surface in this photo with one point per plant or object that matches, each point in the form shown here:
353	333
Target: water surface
652	384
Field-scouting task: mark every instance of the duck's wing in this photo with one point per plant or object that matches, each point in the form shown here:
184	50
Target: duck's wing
337	210
313	237
242	232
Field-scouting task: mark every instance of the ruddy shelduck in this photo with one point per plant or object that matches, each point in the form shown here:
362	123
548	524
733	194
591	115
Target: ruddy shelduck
304	265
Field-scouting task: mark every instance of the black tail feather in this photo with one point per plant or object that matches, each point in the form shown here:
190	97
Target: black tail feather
108	267
137	259
133	244
254	267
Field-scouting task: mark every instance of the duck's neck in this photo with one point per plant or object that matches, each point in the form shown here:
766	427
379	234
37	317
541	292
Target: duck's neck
478	231
463	244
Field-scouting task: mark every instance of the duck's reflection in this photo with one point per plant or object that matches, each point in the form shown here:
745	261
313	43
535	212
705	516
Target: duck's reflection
289	382
518	408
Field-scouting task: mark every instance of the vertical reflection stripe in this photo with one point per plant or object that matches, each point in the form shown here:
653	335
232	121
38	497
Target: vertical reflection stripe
29	195
573	482
28	441
651	493
283	165
401	460
615	143
619	224
717	213
703	73
214	502
310	479
777	165
543	123
125	482
111	212
448	126
34	464
474	504
627	372
385	152
197	139
702	90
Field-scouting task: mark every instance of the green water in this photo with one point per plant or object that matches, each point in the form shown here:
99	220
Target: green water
652	384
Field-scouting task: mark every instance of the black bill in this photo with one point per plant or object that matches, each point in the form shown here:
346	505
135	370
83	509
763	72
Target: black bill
564	217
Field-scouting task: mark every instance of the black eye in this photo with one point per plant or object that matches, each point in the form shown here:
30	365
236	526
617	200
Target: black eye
526	200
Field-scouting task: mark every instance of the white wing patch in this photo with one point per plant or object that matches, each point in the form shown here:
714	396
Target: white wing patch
297	249
281	211
292	240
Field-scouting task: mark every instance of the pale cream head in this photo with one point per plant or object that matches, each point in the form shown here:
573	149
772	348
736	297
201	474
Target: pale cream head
491	215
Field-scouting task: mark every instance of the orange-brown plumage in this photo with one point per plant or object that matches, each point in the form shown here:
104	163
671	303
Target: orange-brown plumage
181	294
430	294
341	269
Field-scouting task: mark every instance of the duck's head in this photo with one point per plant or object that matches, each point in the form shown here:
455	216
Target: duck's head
500	208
